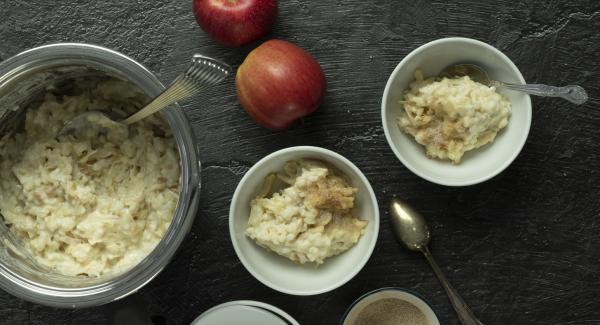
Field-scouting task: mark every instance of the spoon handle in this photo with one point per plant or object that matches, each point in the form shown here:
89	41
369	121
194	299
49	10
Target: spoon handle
574	94
202	72
463	311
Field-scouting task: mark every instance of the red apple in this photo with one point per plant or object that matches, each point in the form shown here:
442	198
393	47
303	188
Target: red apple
235	22
278	83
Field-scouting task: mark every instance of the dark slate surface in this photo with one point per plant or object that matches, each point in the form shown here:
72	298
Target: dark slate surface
522	248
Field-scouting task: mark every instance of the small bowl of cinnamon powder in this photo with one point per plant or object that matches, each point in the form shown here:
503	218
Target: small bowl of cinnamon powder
390	306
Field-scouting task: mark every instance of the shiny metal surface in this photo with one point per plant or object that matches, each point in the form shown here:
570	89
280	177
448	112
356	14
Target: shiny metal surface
410	227
202	72
573	93
22	78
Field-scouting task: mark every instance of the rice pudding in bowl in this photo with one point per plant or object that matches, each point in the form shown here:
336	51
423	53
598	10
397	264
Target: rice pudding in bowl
310	219
92	204
477	165
307	242
450	116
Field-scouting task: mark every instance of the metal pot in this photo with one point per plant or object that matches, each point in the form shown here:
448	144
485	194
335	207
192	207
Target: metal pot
22	78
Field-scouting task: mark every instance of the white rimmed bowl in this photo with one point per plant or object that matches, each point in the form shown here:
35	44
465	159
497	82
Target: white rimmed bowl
245	312
477	165
278	272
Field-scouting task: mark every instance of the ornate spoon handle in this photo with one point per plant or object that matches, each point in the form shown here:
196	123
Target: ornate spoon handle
202	72
574	94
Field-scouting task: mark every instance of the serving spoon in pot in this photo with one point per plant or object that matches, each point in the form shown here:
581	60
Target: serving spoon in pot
411	229
202	72
573	93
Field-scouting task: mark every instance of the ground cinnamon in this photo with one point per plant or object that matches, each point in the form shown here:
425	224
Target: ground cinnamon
390	311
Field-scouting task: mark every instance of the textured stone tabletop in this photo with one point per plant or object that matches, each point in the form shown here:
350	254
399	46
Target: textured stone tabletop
522	248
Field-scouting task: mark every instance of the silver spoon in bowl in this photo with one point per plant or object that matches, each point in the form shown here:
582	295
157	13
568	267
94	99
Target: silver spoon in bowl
203	71
573	93
411	229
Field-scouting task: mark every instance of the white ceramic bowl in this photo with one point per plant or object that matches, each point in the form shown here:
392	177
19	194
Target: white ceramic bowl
278	272
477	165
245	312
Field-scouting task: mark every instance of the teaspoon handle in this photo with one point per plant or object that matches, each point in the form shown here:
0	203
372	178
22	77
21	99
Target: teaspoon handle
202	72
574	94
463	311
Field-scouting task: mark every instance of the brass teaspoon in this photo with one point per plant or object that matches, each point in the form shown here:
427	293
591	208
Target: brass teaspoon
411	229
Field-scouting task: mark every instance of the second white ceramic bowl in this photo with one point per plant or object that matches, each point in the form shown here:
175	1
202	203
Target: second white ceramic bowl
278	272
477	165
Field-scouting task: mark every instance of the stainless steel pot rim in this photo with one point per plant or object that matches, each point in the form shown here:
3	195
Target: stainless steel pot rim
152	265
